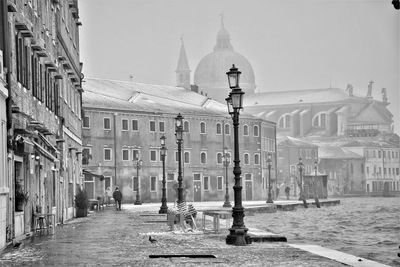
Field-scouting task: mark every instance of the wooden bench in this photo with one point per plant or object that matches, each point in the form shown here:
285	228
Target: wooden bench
217	215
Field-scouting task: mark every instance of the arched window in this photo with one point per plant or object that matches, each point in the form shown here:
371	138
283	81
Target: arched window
256	159
246	159
219	158
227	129
202	127
319	120
186	126
284	121
245	130
219	128
203	157
255	131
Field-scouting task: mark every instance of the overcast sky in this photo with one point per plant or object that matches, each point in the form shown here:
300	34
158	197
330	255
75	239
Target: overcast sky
291	44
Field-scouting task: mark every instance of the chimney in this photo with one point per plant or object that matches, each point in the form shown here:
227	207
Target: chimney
369	93
384	95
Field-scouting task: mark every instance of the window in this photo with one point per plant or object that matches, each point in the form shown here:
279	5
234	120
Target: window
397	171
124	125
153	183
125	154
247	176
170	176
256	131
367	170
107	154
135	125
186	126
203	157
245	130
229	157
202	127
107	182
153	155
219	128
86	122
161	126
219	158
106	124
257	159
284	121
246	159
86	155
362	168
227	129
379	154
152	126
135	154
319	120
219	183
187	157
196	177
176	156
206	183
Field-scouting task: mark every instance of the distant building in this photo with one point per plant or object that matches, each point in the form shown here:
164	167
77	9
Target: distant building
124	121
43	112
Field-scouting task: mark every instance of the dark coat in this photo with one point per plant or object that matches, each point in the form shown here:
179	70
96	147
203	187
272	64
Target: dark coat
117	195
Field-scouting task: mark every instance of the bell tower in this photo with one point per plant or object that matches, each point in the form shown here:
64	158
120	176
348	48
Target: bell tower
183	70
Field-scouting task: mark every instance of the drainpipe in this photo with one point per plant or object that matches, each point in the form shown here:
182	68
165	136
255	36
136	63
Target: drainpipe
115	149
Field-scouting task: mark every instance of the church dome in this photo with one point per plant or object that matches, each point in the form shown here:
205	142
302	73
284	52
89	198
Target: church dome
210	74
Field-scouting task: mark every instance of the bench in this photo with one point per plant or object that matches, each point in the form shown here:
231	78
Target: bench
44	221
216	215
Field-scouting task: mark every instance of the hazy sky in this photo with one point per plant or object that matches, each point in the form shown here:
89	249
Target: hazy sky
291	44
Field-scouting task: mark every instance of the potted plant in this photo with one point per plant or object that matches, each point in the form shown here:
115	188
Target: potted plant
81	203
21	197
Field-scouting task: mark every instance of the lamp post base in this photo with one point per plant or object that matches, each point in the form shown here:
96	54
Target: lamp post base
269	199
238	237
227	204
163	209
137	202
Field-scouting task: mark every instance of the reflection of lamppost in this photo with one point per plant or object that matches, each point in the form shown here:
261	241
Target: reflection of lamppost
179	138
314	184
238	232
163	208
138	164
226	157
300	166
269	165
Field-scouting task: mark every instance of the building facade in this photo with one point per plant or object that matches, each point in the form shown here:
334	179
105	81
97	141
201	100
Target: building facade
119	130
44	107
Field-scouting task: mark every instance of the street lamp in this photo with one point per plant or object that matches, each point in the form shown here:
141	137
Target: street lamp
226	157
314	184
269	165
138	164
238	232
300	166
163	208
179	138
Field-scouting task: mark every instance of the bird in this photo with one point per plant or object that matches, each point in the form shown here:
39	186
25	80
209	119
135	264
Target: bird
152	240
17	244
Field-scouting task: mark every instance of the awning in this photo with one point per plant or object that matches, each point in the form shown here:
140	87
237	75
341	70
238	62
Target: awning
44	152
90	174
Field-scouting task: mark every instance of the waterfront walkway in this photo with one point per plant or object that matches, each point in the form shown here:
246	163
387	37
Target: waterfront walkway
121	238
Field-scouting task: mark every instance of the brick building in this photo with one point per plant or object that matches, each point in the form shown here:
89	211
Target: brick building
44	110
126	119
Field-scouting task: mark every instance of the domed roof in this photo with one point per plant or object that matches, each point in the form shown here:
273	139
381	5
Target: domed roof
210	74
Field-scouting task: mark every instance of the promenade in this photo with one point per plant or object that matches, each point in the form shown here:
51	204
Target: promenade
121	238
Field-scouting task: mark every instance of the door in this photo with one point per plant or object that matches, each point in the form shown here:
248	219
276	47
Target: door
171	193
197	191
249	190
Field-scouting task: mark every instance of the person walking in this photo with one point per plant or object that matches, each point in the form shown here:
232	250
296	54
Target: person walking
287	191
108	195
117	195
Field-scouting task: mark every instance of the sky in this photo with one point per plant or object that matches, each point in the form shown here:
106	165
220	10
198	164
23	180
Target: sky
291	44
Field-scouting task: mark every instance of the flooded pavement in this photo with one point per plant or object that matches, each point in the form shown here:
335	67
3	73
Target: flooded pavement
365	227
121	238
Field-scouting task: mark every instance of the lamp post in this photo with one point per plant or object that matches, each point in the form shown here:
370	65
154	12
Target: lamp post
179	138
314	184
138	164
269	165
238	232
226	158
163	208
300	166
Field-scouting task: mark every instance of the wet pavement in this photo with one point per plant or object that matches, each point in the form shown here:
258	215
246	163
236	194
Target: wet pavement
121	238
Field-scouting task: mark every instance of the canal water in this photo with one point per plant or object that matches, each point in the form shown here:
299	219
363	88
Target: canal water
365	227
